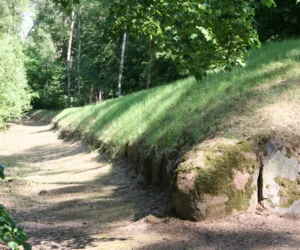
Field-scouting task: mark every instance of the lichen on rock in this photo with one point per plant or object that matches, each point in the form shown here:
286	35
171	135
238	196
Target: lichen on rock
289	192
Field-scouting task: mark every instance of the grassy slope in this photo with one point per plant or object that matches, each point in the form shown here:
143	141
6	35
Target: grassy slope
187	112
43	116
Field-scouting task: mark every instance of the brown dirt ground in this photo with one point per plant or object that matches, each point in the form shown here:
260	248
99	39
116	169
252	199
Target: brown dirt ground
276	118
68	198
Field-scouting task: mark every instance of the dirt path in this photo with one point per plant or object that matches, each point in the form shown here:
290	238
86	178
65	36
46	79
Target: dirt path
67	198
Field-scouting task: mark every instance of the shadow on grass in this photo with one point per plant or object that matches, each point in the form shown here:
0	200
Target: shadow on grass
100	118
192	123
39	117
113	109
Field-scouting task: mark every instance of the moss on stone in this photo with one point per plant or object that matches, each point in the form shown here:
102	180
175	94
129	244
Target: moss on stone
239	199
185	167
218	176
289	192
185	157
261	141
290	153
243	146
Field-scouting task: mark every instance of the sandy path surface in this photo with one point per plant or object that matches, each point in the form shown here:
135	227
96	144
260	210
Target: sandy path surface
68	198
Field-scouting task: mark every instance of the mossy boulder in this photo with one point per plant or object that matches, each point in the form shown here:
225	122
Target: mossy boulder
280	178
216	178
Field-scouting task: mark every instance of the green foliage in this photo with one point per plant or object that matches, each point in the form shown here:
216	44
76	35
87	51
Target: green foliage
42	43
51	20
14	91
50	98
100	57
44	78
187	38
278	23
67	4
5	17
45	66
10	233
199	36
100	54
268	3
10	16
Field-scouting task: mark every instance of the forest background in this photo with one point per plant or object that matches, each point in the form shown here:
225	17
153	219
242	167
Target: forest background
81	53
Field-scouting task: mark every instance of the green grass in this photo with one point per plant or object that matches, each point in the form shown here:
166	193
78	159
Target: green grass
43	116
187	112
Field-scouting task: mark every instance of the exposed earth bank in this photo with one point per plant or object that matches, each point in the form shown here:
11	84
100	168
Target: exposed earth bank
67	198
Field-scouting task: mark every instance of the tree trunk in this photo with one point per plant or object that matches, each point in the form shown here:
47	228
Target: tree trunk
100	96
26	37
149	64
13	8
91	95
69	58
122	64
78	55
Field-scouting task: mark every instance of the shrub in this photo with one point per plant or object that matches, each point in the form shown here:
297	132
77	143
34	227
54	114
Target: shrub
14	92
10	233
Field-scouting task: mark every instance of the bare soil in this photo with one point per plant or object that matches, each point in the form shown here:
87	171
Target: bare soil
275	118
66	197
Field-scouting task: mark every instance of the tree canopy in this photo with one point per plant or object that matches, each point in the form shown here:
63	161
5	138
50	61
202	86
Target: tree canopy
199	36
165	40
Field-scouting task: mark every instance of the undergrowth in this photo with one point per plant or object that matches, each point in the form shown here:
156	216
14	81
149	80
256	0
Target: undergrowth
10	233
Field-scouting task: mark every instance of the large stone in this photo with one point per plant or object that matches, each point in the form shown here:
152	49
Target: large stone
279	179
216	178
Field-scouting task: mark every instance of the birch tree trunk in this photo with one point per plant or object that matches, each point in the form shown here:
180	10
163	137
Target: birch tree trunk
79	54
69	57
122	64
100	96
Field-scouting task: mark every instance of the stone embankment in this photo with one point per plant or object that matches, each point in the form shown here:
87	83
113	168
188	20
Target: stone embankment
222	177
